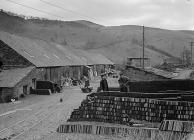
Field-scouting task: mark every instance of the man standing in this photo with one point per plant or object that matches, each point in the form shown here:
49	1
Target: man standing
123	80
103	83
86	82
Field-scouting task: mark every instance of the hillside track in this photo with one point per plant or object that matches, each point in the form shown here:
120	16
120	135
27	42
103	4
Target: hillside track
41	112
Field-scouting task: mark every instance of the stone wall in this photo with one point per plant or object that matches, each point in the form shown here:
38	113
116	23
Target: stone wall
28	81
5	94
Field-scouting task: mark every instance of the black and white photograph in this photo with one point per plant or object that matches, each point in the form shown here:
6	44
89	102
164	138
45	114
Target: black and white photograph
96	69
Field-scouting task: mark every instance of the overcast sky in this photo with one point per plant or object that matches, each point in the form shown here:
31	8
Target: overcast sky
168	14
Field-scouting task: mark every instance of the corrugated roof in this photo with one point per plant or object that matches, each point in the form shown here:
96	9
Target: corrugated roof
9	78
39	52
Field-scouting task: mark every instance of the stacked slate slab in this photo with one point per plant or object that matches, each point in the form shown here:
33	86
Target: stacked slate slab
120	131
164	85
108	129
177	126
43	85
120	108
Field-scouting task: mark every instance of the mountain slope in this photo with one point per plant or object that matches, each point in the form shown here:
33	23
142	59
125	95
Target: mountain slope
116	42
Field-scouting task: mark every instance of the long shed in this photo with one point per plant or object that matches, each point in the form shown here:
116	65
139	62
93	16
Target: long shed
52	61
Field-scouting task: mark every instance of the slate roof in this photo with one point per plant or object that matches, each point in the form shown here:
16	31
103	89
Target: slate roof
9	78
101	59
92	58
39	52
47	54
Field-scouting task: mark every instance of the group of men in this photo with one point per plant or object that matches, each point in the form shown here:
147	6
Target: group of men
123	80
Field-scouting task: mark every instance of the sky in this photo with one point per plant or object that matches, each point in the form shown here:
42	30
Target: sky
166	14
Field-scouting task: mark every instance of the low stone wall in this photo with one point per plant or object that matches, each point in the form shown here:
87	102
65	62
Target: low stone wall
6	94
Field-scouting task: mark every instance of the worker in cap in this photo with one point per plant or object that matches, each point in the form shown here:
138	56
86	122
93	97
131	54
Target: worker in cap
86	81
123	80
103	82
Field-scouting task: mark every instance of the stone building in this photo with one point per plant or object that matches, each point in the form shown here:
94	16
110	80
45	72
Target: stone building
51	61
47	57
15	82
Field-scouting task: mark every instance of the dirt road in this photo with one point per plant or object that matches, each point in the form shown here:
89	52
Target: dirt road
37	117
37	120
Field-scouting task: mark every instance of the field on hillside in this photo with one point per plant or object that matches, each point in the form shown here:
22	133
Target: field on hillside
116	42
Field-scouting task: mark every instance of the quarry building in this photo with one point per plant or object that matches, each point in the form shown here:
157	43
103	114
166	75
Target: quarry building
27	60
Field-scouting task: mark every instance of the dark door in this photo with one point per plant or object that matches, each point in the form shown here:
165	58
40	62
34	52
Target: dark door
34	83
25	89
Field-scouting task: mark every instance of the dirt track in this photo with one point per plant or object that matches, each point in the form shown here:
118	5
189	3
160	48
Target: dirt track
37	117
41	118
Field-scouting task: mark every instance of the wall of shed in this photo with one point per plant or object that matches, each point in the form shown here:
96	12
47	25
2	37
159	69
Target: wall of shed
140	75
100	69
27	81
51	74
4	93
54	74
76	72
10	57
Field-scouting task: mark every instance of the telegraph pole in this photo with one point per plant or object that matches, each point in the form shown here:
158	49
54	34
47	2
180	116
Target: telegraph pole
143	47
184	59
191	52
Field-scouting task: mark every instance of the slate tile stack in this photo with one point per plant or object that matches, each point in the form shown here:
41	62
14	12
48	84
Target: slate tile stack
120	131
164	85
177	126
120	109
110	130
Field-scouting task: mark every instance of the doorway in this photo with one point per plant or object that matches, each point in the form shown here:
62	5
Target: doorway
34	83
25	89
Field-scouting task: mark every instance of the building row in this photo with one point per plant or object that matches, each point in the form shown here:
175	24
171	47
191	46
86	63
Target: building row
24	61
135	71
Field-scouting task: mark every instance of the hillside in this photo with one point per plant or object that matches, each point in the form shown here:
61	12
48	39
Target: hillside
116	42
